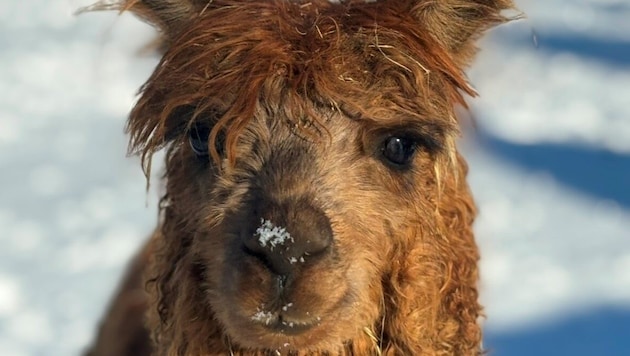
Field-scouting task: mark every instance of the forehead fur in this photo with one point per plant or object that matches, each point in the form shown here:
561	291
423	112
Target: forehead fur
293	61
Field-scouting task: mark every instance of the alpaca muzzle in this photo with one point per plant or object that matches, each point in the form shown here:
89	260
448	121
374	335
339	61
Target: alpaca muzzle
284	237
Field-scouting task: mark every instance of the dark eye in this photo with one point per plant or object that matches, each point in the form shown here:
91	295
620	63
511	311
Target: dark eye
399	150
198	138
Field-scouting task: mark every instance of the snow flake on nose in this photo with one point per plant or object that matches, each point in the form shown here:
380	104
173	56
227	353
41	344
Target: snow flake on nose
271	235
263	316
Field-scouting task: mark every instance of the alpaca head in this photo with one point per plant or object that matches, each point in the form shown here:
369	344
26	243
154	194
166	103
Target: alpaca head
315	199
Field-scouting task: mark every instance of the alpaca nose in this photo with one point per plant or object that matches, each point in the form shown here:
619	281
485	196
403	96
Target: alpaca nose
286	237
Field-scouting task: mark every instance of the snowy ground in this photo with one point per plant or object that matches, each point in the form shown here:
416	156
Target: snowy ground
550	169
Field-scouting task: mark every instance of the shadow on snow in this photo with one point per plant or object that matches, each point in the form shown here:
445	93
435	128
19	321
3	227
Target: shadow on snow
595	332
599	173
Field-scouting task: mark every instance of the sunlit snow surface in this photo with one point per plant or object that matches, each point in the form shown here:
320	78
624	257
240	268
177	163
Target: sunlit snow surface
551	169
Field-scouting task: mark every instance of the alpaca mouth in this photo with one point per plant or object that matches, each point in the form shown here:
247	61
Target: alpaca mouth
279	323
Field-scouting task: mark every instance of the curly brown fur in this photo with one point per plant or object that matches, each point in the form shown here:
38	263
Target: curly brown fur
300	97
123	332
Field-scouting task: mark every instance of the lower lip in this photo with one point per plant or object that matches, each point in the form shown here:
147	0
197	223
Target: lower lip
289	328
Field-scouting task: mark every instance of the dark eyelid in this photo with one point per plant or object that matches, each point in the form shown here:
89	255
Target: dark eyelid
428	136
429	142
183	118
179	121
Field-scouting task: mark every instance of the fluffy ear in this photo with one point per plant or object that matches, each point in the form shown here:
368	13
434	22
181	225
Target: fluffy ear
170	16
457	24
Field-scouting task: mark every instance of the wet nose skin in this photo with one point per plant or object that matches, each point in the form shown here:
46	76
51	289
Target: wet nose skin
285	236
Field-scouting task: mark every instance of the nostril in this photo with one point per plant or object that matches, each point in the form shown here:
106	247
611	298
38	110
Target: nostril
261	257
316	226
250	241
316	246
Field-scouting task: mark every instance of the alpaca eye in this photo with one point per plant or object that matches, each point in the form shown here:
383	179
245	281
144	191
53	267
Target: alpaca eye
399	150
198	138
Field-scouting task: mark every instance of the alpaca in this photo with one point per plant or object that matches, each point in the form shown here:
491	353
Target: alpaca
315	201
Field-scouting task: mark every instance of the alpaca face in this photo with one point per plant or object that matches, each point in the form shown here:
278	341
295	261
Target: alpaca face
315	200
297	235
298	207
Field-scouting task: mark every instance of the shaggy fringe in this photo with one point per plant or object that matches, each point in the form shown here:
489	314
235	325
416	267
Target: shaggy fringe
420	41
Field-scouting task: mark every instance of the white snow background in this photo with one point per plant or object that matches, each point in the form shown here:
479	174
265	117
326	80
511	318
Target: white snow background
73	208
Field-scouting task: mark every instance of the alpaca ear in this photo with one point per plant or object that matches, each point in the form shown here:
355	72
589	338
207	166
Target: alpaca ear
170	16
457	24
